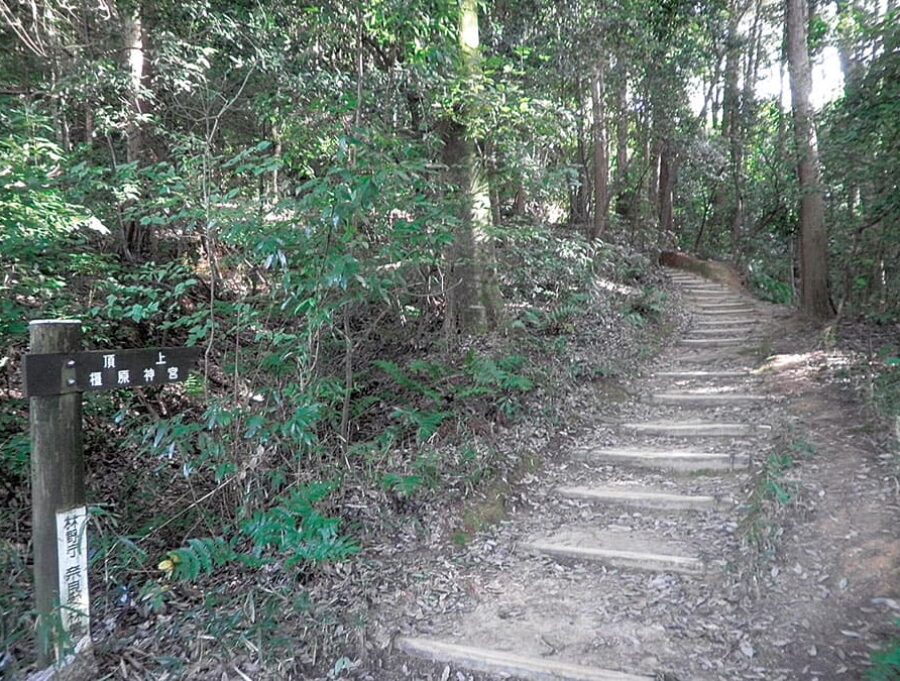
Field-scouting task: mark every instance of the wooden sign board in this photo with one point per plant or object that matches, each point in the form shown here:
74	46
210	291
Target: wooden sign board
60	373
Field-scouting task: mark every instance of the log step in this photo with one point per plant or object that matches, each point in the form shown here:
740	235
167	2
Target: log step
704	374
711	342
719	307
639	498
676	460
714	297
724	330
507	664
618	557
710	399
690	429
716	315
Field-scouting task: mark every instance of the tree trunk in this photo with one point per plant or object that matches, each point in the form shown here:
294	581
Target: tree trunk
666	191
731	124
621	136
601	153
137	71
474	303
136	45
814	299
580	197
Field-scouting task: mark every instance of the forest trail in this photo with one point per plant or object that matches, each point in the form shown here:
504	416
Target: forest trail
632	565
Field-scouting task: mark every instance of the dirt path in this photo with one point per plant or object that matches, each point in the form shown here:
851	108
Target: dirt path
727	525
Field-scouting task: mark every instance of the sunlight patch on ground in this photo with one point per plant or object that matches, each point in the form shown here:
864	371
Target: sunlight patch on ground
804	365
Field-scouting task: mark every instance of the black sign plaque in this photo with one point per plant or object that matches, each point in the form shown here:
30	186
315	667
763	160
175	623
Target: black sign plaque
59	373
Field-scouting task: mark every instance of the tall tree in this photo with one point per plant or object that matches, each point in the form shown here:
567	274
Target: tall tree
814	298
473	298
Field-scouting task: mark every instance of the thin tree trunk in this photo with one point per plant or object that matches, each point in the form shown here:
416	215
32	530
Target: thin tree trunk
814	299
601	153
136	44
621	175
666	190
731	124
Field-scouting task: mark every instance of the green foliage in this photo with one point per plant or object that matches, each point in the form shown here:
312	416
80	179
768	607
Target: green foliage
291	532
771	289
404	381
294	530
774	493
425	423
401	485
15	447
482	378
42	234
488	375
151	294
547	268
200	557
886	384
886	663
648	306
15	594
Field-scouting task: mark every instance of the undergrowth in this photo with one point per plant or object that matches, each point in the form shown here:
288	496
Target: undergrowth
774	494
225	507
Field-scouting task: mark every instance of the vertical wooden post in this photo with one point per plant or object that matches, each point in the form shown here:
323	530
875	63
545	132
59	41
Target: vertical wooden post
57	474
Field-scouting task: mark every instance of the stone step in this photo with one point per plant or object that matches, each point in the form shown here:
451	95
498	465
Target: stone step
638	497
677	460
691	428
723	319
507	664
718	307
733	322
720	340
726	320
733	311
710	306
724	324
732	330
705	374
742	314
712	342
706	293
619	557
705	356
707	399
713	297
724	331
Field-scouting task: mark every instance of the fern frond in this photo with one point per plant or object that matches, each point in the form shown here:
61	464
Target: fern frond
199	558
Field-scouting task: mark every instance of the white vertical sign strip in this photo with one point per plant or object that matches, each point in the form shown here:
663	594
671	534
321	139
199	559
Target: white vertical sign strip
74	597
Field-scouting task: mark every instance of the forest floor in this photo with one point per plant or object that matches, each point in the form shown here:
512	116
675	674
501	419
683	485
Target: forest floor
784	565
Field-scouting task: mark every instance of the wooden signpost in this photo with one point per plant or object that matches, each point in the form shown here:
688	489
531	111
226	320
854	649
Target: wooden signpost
56	373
